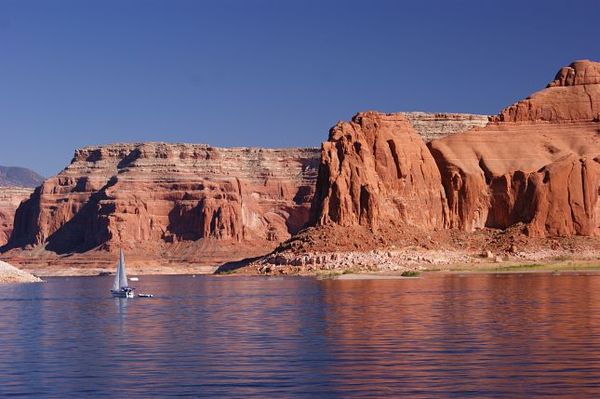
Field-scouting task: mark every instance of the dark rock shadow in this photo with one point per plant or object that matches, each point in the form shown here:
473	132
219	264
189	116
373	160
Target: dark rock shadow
235	265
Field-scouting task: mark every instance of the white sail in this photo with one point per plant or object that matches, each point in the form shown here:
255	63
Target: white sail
121	273
115	286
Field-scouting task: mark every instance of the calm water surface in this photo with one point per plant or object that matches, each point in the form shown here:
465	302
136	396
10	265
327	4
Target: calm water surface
441	336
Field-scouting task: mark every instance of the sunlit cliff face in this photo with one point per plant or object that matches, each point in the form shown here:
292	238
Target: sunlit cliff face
10	198
537	164
155	195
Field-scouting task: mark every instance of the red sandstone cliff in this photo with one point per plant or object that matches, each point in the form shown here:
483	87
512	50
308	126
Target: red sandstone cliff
170	200
16	184
377	170
573	95
527	185
10	199
536	163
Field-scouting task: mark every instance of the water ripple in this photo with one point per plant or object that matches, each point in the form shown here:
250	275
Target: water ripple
443	336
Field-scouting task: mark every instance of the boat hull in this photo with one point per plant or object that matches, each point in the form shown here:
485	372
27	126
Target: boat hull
129	293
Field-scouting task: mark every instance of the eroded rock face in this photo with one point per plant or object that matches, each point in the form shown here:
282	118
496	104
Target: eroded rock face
565	198
573	95
536	164
10	198
377	170
156	194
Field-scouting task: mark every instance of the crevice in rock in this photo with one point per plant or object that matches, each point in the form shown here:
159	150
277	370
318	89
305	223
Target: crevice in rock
446	182
586	205
129	159
392	146
589	98
569	201
486	172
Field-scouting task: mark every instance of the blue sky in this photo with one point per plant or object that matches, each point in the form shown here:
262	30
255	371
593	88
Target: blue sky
273	73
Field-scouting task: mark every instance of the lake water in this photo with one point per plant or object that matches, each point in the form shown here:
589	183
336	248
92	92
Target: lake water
441	336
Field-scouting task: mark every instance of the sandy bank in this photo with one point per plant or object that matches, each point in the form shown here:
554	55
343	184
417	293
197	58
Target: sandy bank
579	267
10	274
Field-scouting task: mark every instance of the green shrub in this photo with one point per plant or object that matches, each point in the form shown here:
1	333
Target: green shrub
410	273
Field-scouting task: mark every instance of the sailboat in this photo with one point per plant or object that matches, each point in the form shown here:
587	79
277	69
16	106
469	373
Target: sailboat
120	288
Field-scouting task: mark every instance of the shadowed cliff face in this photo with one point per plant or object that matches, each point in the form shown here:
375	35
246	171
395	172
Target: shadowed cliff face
127	195
16	184
10	198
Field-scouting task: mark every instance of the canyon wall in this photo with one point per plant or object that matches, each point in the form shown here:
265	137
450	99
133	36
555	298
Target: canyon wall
146	197
536	163
16	185
177	204
377	178
377	170
10	199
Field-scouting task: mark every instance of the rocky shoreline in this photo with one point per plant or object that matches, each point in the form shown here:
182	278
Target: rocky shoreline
411	259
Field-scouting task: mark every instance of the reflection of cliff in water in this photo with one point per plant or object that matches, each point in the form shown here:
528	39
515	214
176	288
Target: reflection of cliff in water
529	335
417	336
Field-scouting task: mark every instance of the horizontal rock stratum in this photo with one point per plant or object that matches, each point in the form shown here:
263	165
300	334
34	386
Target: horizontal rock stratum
437	125
202	203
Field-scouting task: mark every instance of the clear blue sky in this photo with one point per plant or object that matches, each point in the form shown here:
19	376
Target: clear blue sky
263	73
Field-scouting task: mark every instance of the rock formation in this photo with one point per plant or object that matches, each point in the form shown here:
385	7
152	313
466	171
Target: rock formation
377	170
437	125
10	199
525	185
532	172
151	196
493	179
16	184
573	95
537	163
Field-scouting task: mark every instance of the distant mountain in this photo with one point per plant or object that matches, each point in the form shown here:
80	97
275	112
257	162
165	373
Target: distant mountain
19	177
